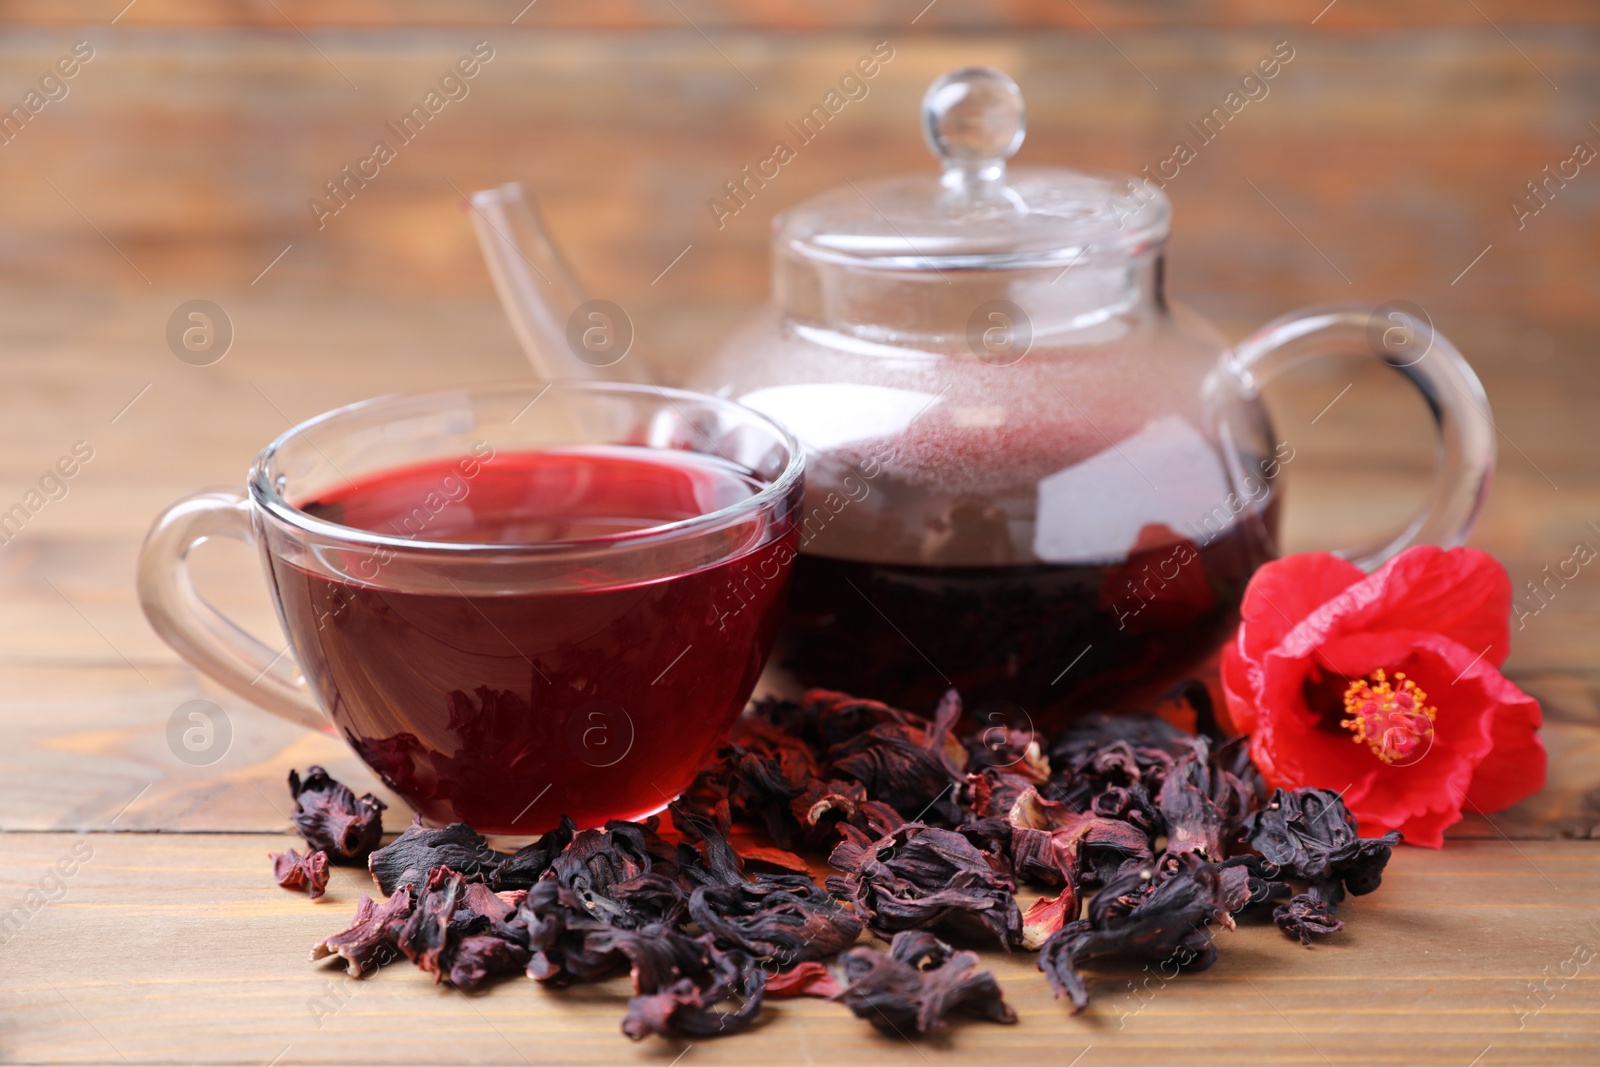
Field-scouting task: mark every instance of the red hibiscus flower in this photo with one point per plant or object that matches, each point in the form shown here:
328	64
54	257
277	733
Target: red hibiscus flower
1385	687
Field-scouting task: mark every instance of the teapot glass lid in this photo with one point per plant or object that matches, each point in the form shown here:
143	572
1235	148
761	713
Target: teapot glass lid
978	214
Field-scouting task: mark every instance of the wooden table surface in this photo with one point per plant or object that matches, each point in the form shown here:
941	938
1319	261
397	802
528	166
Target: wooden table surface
1382	166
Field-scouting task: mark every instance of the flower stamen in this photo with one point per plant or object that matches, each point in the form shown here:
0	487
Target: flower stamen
1394	719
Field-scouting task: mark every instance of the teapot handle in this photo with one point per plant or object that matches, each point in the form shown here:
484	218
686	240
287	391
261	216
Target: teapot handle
1399	339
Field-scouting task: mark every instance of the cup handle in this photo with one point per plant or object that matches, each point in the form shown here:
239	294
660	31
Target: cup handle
1399	339
196	630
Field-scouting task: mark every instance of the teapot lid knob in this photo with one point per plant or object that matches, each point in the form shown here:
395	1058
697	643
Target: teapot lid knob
974	121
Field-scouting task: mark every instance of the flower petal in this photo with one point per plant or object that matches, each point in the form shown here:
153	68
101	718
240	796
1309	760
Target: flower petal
1460	593
1517	767
1238	689
1285	591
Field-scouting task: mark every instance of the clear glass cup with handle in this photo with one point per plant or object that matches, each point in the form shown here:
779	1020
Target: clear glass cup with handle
577	658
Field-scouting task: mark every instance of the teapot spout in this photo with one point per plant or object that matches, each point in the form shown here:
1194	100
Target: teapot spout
537	290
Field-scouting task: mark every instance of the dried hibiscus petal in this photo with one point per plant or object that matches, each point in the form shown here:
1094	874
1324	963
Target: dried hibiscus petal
499	909
294	871
625	875
1139	916
994	792
686	1006
370	940
775	858
478	957
464	931
907	763
1046	916
558	929
1248	881
823	805
808	979
829	717
425	937
1193	821
1118	749
918	984
332	819
523	867
1312	835
715	862
922	877
1004	747
787	918
1053	844
1307	915
409	857
759	773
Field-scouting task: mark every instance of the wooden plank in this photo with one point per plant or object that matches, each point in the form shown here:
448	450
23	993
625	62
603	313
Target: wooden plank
627	136
180	949
1371	15
92	751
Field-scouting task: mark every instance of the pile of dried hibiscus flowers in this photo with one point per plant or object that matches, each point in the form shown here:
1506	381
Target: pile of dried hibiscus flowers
931	829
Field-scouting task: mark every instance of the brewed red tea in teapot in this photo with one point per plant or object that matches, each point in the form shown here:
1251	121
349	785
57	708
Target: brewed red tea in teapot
1029	475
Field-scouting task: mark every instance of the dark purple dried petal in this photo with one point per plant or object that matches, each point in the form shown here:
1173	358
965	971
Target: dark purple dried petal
757	775
1193	821
331	818
421	849
478	957
1053	844
900	766
1312	835
1006	748
687	1007
823	805
786	918
294	871
775	859
918	984
1118	750
624	875
658	955
370	940
827	717
922	877
1139	916
427	936
1248	881
558	927
714	862
1306	916
500	910
994	792
524	867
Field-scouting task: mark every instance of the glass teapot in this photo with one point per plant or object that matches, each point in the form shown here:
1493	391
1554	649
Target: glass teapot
1029	475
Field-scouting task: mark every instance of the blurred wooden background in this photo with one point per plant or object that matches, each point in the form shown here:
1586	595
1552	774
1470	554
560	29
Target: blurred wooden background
1395	141
1381	166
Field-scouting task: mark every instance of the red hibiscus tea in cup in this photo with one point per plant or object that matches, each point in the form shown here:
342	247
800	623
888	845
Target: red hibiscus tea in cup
511	612
595	699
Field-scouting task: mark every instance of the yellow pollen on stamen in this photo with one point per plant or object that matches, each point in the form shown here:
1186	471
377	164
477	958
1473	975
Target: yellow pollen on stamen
1394	719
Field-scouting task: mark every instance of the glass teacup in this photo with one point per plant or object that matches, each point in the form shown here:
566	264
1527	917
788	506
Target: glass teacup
513	601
